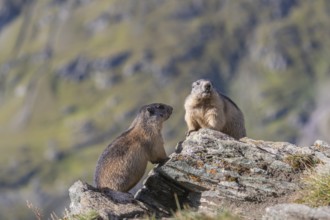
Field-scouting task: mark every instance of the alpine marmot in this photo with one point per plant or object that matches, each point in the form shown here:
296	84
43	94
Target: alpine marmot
206	108
123	163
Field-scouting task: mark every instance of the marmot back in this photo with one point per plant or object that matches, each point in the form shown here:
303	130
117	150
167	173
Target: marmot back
123	163
206	108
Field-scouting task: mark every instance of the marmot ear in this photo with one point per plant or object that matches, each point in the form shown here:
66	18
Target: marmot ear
151	110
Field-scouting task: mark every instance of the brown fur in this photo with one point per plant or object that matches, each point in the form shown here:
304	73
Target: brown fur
123	163
206	108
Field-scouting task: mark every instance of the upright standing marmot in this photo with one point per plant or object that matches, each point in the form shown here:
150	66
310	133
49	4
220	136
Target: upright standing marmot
206	108
123	162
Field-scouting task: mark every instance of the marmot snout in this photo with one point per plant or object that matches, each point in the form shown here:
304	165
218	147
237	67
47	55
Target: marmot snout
201	89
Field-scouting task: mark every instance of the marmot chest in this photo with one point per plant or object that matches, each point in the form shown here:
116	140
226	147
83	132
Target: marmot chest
200	113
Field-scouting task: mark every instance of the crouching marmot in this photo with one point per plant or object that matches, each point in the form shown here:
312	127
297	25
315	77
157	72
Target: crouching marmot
206	108
123	163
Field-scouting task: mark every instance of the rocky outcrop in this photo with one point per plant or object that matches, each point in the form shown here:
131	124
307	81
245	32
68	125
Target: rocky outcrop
211	170
109	205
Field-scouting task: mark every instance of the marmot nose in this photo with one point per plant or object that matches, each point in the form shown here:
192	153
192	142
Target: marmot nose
170	109
207	86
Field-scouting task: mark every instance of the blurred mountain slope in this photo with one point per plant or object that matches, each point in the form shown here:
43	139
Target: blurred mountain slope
74	73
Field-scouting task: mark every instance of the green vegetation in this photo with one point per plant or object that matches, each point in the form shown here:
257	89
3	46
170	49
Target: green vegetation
88	216
316	191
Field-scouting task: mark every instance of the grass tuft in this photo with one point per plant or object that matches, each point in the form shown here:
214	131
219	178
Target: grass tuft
35	210
186	213
301	162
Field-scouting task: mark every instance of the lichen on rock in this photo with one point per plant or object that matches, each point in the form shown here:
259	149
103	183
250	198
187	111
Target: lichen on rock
109	205
212	171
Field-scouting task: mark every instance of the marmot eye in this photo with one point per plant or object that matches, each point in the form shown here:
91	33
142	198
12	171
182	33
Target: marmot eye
160	107
197	83
151	110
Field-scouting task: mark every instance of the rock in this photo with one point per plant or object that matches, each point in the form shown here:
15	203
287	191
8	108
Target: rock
296	212
132	69
99	24
280	8
10	10
189	10
109	205
277	62
322	149
103	80
194	52
82	67
144	64
321	144
52	152
110	62
215	171
104	21
76	70
165	72
211	171
86	127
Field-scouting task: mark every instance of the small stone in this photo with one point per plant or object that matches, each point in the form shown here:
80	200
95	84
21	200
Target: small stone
296	212
320	143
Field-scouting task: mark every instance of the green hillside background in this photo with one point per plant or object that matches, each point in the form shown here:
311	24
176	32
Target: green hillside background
74	73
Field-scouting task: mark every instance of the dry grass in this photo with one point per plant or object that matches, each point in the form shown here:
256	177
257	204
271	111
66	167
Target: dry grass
35	210
301	162
92	215
316	191
189	214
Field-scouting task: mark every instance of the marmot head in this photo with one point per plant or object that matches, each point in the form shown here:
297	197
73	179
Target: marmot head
202	88
156	113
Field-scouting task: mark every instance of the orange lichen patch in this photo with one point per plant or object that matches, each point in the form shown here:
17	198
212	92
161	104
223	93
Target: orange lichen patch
212	171
194	178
